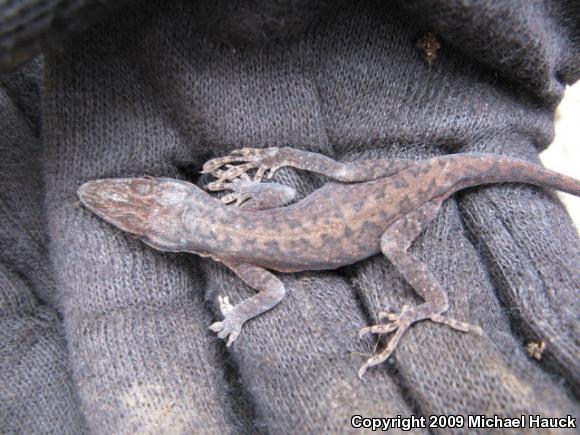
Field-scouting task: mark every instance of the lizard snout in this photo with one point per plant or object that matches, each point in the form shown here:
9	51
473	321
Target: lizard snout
123	202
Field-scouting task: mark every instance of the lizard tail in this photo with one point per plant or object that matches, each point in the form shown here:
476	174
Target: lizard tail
475	169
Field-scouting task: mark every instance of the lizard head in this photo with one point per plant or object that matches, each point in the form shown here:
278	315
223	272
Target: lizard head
145	207
123	202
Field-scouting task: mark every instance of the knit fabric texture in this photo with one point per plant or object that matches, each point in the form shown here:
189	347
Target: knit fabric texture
101	334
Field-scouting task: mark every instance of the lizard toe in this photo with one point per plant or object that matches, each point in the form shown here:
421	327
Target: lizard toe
457	324
380	329
216	326
400	326
230	330
225	305
400	322
233	337
231	326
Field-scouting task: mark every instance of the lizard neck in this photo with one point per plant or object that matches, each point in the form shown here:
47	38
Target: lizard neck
179	217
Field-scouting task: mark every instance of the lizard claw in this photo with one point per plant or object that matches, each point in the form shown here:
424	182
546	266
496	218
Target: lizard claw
231	326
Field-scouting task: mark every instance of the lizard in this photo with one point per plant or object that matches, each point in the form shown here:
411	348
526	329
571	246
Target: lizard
368	207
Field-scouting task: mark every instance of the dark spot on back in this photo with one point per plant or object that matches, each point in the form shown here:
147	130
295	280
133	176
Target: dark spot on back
294	224
272	246
401	182
405	204
358	205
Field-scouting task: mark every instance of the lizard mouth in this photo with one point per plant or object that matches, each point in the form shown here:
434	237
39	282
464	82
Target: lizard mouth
123	202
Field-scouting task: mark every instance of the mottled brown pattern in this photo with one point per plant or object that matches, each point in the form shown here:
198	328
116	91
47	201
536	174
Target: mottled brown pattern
378	206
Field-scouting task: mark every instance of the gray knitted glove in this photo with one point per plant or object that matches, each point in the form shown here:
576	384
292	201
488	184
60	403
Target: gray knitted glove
102	334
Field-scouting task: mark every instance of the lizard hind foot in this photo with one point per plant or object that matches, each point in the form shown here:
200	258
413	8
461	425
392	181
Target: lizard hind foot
399	323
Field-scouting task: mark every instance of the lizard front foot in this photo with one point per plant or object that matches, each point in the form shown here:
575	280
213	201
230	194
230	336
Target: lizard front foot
400	322
241	189
232	324
249	193
263	159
